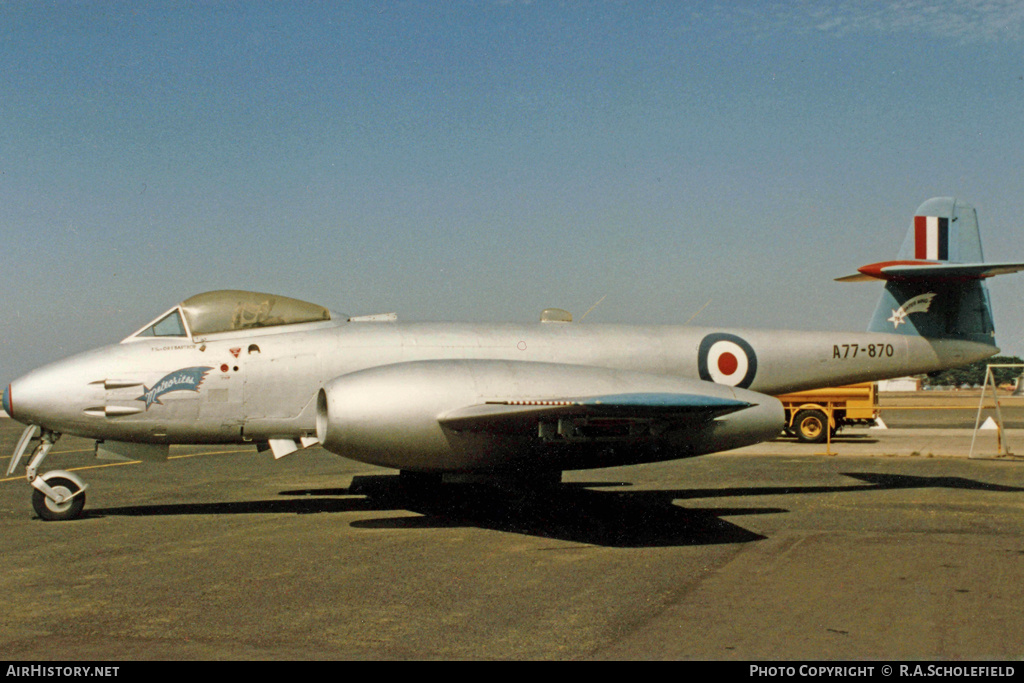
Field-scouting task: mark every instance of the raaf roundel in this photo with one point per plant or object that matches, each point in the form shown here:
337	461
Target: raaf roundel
727	359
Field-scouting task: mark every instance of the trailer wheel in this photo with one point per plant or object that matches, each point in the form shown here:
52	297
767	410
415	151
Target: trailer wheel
811	426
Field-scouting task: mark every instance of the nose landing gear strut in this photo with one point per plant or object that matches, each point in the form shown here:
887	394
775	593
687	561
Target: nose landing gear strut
58	495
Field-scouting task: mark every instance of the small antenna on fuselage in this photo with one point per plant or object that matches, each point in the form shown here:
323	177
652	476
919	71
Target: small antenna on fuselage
593	307
698	312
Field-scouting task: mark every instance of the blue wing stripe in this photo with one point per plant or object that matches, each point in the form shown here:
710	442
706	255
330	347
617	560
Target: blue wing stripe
662	400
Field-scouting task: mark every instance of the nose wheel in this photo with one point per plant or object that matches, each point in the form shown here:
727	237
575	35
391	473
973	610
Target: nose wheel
58	495
64	500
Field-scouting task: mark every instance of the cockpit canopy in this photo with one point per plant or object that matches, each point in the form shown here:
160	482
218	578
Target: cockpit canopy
230	310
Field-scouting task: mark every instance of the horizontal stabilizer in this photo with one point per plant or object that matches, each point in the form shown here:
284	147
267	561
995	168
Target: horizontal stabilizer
930	271
501	415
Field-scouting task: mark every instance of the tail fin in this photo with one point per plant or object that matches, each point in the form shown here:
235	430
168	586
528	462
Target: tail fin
935	288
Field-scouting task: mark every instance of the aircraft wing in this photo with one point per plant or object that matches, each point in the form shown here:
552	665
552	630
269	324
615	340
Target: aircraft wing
613	415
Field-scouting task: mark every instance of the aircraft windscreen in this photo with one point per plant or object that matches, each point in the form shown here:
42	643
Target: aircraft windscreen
168	326
230	310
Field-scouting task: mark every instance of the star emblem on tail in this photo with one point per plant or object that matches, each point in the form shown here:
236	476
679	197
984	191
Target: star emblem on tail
919	304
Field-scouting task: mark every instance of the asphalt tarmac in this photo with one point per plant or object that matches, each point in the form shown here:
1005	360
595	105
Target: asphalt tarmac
884	551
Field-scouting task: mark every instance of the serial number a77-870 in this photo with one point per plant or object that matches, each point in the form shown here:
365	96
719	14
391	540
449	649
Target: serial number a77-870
845	351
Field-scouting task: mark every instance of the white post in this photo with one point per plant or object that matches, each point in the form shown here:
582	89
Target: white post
990	377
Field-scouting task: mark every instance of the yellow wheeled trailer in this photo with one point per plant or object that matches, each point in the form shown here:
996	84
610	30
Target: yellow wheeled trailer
811	415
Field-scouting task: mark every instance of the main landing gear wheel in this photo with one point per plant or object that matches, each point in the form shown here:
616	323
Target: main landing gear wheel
55	512
811	426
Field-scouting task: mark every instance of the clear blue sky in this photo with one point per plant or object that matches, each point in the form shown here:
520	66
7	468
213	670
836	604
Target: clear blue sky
485	160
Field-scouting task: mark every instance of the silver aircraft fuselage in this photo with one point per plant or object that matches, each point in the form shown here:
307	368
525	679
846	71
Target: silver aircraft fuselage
261	384
490	401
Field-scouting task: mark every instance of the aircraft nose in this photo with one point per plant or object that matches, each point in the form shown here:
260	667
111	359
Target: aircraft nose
50	396
22	410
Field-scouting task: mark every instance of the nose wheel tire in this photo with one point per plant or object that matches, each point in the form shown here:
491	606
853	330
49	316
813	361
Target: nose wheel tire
55	512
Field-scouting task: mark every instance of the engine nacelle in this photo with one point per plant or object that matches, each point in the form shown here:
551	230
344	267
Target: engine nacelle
394	416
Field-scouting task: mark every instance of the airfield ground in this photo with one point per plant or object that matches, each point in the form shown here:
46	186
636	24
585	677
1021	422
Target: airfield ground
898	547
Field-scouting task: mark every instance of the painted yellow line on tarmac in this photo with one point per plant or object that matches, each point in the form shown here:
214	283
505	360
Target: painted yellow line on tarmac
29	453
76	469
193	455
134	462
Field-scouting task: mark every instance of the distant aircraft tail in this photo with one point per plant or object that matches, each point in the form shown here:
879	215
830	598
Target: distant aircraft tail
936	286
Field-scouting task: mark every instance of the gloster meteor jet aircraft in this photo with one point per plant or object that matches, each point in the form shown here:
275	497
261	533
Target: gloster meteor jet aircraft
522	402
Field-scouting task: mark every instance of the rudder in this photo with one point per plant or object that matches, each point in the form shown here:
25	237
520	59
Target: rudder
943	229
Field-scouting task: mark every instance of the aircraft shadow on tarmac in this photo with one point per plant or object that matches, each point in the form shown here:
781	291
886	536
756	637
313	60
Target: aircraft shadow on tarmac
566	511
572	511
874	482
